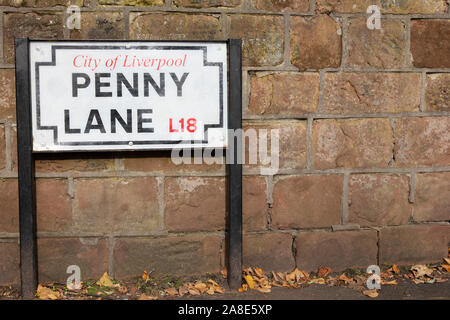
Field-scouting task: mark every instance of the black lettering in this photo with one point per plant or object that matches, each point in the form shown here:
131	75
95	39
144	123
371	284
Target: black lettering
160	90
179	83
142	120
99	126
76	85
115	116
99	84
67	128
122	80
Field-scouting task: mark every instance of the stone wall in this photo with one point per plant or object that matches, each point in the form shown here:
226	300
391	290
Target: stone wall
364	119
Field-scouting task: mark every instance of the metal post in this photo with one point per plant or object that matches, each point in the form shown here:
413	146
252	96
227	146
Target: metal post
27	203
234	170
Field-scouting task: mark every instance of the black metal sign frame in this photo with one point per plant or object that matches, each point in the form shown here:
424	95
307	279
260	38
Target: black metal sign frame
26	170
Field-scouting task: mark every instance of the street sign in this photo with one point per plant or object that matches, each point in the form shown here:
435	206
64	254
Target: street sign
99	96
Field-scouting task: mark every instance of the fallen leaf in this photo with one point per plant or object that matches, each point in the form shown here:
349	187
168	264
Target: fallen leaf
439	280
263	290
224	273
317	281
243	288
394	269
371	293
213	282
122	289
182	291
392	282
194	292
145	276
218	289
323	272
446	267
200	286
45	293
171	291
105	281
145	297
420	270
259	272
418	281
344	278
250	282
447	260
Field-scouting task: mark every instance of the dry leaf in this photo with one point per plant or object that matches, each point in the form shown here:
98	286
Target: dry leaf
45	293
105	281
439	280
182	291
418	281
243	288
420	270
447	261
249	281
344	278
317	281
263	290
122	289
323	272
145	276
394	269
213	282
224	273
171	291
393	282
259	272
145	297
446	267
194	292
371	293
218	289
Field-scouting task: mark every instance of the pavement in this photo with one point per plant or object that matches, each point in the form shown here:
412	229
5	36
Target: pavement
404	290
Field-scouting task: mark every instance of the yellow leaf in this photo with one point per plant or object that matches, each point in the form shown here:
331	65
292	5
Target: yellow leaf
213	282
199	285
447	260
210	291
394	269
145	276
105	281
45	293
218	289
243	288
145	297
344	278
371	293
250	281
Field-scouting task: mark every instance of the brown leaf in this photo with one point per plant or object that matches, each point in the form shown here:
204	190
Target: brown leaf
420	270
171	291
259	272
243	288
182	291
392	282
194	292
394	269
263	290
122	289
344	278
447	261
323	272
213	282
145	276
371	293
446	267
317	281
145	297
224	273
45	293
218	289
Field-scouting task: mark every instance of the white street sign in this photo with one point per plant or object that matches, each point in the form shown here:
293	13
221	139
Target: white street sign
89	96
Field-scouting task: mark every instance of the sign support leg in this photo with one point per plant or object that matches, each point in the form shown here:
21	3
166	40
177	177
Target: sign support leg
234	170
27	198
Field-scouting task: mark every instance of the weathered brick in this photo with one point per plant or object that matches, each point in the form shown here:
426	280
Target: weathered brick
259	249
2	148
56	254
100	25
254	203
432	197
33	25
315	42
353	143
430	43
422	142
9	199
198	202
386	6
414	244
379	199
81	163
137	3
284	93
292	143
9	263
206	3
385	48
350	93
437	92
336	250
7	94
312	201
116	204
184	255
177	26
162	162
53	205
262	38
281	5
40	3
